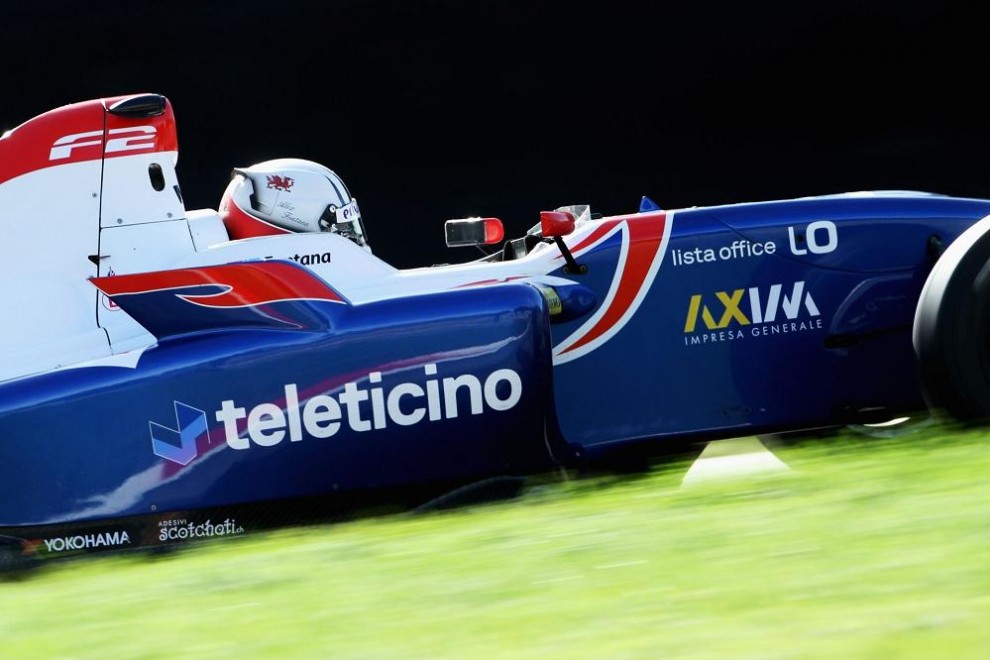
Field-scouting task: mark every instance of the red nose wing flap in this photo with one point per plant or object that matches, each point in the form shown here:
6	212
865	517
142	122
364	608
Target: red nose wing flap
258	294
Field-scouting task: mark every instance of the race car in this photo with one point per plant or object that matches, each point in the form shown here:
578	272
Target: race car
171	374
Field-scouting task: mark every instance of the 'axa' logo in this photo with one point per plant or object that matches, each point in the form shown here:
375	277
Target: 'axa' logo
133	138
279	182
749	306
179	445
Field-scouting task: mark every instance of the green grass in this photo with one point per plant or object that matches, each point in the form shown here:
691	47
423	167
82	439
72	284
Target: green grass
866	549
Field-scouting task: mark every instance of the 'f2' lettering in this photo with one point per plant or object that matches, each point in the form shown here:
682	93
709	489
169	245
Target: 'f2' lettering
132	138
821	237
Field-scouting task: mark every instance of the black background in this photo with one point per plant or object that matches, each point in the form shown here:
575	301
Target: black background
433	109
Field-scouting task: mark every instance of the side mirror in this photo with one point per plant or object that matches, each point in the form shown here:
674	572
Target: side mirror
556	223
473	231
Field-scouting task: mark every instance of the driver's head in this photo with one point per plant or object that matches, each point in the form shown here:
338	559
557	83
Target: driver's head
289	195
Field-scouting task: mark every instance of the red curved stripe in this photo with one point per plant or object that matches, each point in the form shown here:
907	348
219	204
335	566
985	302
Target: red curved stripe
645	236
243	284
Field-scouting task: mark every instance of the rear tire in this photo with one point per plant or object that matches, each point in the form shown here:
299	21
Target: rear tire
952	328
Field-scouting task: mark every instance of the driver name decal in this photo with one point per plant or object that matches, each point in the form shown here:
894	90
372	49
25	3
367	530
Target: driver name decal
311	259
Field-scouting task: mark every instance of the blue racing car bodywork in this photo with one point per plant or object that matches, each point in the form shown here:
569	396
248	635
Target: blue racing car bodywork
208	386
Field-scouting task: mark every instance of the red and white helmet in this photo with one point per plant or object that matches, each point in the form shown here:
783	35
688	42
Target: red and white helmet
289	195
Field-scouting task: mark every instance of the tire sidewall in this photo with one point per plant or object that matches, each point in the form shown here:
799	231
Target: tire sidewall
952	324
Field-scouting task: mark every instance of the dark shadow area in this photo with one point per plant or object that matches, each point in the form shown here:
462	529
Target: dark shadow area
449	108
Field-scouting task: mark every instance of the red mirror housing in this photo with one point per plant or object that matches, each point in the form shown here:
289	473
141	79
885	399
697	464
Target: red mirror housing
556	223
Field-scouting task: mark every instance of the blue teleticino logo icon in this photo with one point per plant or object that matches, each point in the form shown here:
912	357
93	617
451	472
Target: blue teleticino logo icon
179	446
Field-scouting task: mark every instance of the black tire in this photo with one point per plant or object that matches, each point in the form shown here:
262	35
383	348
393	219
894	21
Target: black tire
952	328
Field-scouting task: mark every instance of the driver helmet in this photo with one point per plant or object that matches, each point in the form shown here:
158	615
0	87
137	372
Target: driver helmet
289	195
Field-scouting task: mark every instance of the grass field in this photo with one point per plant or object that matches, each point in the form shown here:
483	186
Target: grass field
864	549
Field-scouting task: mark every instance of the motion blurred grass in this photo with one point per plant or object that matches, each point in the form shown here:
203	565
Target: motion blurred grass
866	549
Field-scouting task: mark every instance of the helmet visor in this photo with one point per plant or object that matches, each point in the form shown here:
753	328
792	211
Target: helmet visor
346	221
